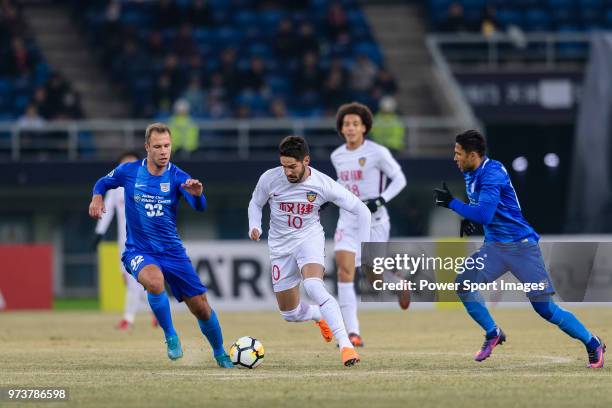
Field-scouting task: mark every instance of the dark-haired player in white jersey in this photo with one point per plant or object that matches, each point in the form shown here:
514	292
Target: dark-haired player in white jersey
363	167
295	192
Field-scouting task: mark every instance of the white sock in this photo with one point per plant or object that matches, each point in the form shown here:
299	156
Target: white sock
330	310
302	313
132	299
348	305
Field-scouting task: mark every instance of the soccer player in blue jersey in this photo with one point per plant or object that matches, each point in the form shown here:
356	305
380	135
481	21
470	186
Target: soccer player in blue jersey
510	244
154	253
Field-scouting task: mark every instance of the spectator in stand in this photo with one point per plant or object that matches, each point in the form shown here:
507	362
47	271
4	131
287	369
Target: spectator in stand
455	20
185	132
195	97
217	88
20	62
172	69
278	109
308	41
229	71
243	111
363	74
164	94
56	88
337	22
388	129
384	84
155	46
334	90
254	79
184	44
286	42
489	24
308	77
217	108
31	120
200	14
43	107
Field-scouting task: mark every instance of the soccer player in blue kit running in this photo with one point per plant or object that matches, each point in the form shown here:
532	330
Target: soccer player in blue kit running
154	253
510	244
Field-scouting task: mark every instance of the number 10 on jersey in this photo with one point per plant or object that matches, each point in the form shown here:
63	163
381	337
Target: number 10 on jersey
294	221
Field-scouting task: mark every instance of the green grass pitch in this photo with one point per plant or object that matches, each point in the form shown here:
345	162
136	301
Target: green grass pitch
419	358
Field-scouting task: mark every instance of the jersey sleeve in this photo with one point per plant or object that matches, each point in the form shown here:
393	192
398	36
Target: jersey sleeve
391	168
114	179
197	203
260	197
488	198
110	203
349	202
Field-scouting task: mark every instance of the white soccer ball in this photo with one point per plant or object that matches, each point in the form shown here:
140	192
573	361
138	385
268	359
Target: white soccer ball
246	352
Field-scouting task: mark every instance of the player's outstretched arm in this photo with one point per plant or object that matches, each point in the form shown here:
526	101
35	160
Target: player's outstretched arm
258	200
193	192
481	213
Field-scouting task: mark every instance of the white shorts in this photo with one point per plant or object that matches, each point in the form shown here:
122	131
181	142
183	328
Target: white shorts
345	238
286	270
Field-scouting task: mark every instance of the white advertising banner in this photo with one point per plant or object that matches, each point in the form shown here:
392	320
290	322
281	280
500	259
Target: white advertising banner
237	273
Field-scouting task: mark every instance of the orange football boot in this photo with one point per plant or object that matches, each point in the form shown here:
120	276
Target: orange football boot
349	356
326	332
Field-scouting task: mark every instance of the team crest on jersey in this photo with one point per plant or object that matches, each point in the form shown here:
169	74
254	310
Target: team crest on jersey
165	187
362	161
311	196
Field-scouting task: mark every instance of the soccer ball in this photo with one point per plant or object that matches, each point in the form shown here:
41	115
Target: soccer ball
246	352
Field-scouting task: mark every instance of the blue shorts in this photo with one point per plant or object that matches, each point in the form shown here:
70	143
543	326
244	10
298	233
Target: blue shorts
175	266
523	259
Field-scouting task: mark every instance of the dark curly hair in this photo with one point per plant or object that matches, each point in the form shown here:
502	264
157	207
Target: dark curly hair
354	108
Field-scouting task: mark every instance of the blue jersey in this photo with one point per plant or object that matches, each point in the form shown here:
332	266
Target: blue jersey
494	204
150	204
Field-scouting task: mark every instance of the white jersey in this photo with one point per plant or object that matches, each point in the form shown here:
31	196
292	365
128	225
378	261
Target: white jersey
294	208
114	202
364	172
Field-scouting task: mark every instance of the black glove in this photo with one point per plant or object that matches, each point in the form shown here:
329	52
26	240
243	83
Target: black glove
467	228
374	204
443	196
96	240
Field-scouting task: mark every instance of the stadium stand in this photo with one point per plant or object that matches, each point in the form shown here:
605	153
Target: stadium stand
30	91
239	58
529	15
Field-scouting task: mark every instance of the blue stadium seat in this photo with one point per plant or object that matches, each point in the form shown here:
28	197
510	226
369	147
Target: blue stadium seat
510	17
537	20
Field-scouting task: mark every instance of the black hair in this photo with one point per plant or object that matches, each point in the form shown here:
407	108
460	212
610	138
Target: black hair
354	108
294	146
472	141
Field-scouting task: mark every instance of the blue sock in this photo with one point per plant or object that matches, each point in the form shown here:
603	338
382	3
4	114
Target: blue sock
566	321
161	308
475	306
212	330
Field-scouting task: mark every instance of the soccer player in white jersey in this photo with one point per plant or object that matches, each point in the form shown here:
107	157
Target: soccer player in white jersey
114	202
362	167
295	192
